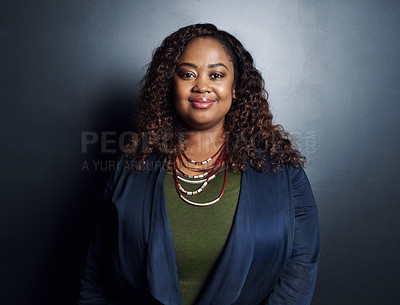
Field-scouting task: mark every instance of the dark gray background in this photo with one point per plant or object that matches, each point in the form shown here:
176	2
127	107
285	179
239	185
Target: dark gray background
70	67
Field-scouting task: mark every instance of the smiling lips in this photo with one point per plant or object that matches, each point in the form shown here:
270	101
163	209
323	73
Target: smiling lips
201	102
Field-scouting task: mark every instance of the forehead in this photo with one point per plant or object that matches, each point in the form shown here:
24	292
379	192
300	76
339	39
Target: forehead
205	49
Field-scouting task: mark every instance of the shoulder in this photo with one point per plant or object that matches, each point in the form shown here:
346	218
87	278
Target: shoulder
287	176
279	169
295	173
269	163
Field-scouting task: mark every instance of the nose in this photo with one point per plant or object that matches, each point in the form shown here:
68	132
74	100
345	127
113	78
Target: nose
202	84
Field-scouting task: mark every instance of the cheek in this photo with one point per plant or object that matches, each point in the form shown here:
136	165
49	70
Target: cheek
225	93
179	98
180	87
226	90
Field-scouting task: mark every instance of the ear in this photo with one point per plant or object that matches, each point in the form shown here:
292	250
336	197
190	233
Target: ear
234	93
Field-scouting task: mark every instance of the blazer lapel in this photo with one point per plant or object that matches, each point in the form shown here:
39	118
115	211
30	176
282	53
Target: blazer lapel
162	274
226	281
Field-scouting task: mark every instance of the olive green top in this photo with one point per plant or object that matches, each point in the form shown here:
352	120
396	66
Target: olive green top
199	233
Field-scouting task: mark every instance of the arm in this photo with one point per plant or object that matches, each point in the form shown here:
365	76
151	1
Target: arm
296	282
92	290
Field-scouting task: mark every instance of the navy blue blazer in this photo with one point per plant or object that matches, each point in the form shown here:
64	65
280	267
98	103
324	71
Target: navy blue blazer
270	257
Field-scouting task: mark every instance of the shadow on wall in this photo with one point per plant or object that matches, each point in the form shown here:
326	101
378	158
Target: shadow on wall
114	114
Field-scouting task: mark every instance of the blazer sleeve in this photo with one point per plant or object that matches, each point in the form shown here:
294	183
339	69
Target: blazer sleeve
296	282
92	290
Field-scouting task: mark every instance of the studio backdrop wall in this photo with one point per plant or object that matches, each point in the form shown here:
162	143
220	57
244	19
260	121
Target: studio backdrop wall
70	74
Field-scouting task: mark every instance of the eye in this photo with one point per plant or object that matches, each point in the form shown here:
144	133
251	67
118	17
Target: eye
216	75
187	75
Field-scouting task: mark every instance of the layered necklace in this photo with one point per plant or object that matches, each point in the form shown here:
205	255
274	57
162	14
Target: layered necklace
204	177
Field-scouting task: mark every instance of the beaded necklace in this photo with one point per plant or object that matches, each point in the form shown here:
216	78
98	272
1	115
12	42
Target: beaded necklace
209	175
205	161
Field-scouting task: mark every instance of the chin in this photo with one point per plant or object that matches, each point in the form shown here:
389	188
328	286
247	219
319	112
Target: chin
204	125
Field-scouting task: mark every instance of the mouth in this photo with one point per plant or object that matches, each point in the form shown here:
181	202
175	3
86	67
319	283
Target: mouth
201	102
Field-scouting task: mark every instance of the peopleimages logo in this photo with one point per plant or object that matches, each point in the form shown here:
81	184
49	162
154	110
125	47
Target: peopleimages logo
105	143
111	142
108	140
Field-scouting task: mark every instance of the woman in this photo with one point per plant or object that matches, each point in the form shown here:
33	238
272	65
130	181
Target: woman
210	203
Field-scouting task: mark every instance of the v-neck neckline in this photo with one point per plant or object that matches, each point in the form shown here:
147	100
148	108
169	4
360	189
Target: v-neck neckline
227	277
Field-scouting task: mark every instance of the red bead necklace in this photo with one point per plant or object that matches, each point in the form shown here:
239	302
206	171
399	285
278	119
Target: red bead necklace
210	174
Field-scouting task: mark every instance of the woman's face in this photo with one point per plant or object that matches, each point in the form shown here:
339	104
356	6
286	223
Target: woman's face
203	84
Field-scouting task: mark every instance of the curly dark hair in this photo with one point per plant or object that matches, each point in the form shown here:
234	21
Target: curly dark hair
251	137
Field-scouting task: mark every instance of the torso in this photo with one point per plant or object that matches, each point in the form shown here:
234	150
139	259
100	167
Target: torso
199	233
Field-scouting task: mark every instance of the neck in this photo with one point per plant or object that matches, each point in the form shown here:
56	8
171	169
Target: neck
204	143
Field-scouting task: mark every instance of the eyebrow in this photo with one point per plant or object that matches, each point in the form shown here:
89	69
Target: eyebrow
209	66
